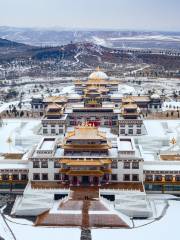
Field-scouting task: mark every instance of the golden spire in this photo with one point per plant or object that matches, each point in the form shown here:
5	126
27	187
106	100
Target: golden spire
9	141
173	141
98	69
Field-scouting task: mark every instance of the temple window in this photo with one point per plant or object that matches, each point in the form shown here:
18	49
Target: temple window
44	176
114	177
126	165
126	177
57	176
168	178
135	177
45	131
52	131
15	177
158	177
138	131
114	164
36	176
177	178
122	131
57	164
36	164
44	164
24	177
5	177
149	178
135	165
130	131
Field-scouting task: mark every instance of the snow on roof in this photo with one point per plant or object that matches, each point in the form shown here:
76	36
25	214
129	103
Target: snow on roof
125	144
47	144
161	166
9	165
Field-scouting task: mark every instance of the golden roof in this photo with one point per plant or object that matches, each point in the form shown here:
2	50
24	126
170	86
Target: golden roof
13	156
102	161
86	131
130	106
99	89
170	157
55	99
85	172
89	147
96	82
54	106
135	99
86	162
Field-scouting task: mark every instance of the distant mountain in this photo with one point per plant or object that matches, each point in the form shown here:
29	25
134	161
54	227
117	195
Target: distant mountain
4	43
83	55
108	38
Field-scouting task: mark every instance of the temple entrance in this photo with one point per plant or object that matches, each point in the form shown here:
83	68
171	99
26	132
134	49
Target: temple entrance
75	180
94	123
96	180
85	180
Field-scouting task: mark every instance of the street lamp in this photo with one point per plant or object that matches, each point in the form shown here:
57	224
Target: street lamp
163	184
10	182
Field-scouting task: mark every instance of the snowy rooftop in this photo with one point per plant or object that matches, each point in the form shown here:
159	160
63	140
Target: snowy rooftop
10	165
161	166
47	144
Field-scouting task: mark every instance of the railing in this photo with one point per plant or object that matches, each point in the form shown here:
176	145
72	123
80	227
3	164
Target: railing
115	190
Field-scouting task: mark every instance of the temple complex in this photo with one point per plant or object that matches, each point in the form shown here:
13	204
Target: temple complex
89	160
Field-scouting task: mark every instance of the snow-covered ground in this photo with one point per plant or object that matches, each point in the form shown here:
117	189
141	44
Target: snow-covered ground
164	225
166	228
29	232
125	89
23	133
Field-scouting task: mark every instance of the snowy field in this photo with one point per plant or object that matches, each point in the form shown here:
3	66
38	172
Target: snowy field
29	232
166	228
22	132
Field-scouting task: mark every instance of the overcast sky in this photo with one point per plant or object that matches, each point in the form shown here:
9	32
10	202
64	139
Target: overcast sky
121	14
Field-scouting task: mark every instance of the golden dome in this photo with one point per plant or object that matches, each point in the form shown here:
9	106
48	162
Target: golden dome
98	74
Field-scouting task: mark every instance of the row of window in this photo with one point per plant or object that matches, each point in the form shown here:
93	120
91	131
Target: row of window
130	131
126	177
168	178
15	177
126	165
53	131
44	164
57	176
44	176
130	125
